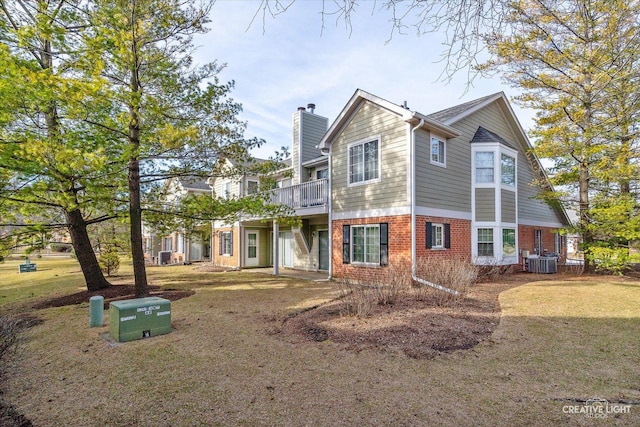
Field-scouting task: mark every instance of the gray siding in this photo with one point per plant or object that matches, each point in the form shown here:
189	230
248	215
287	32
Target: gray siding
313	129
391	191
295	149
508	208
443	188
485	204
530	208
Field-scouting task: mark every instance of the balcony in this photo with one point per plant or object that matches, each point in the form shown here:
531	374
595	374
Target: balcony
310	197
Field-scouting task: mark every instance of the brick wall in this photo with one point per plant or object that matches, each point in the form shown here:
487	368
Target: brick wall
526	239
460	237
400	242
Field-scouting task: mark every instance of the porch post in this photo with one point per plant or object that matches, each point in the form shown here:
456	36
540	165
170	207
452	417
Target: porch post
276	247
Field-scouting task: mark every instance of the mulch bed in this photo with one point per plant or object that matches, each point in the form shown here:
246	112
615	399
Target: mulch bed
418	328
112	293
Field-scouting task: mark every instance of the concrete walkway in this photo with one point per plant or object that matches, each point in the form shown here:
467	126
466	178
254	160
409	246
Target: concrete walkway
297	274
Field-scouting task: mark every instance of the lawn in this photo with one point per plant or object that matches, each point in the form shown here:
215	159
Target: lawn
559	343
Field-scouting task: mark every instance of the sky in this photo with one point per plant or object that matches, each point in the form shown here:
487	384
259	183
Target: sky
282	63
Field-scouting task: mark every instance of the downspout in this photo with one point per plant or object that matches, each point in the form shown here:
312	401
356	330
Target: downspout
412	177
327	152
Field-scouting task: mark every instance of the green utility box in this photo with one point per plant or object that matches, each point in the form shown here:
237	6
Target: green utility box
138	318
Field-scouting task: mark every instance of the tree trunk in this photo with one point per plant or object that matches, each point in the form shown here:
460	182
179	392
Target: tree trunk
135	215
89	265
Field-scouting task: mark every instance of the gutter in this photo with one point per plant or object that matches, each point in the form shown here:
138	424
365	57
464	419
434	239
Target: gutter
412	177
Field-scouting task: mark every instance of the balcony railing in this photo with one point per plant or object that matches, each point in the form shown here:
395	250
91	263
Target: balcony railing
305	195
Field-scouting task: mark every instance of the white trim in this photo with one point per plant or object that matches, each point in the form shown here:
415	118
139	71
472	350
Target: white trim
443	213
369	213
433	236
534	223
378	140
351	239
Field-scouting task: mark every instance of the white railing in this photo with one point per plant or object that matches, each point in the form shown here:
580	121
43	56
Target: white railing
308	194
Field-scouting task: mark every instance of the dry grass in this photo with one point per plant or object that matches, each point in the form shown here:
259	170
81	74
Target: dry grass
559	342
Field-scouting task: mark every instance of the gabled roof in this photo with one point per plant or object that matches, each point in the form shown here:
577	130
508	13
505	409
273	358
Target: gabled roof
484	135
193	183
455	113
405	114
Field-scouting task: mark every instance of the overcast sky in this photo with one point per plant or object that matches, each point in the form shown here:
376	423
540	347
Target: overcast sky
290	61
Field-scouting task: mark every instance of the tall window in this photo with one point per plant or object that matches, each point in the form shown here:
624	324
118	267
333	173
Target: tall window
437	151
484	167
508	170
509	242
252	187
365	247
364	162
226	243
226	190
485	242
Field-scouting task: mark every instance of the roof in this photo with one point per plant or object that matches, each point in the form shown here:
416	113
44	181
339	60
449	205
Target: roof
484	135
193	183
405	114
453	114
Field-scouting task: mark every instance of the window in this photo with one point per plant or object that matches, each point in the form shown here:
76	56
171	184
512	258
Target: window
485	242
365	244
322	174
225	243
508	170
437	151
484	167
438	236
364	162
180	243
168	244
226	190
252	187
509	242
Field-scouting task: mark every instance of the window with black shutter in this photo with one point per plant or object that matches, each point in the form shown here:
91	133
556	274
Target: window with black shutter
346	232
384	243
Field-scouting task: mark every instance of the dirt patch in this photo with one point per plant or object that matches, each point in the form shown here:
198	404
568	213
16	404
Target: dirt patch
419	328
112	293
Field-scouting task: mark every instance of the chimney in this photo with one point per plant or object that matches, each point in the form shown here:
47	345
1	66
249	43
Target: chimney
311	107
301	109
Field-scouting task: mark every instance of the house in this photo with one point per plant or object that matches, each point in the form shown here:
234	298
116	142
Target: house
387	185
180	246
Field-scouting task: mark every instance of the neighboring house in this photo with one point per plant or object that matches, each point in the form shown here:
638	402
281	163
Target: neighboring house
387	185
180	246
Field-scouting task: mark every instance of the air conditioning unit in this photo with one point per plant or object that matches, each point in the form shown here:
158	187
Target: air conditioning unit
164	257
544	265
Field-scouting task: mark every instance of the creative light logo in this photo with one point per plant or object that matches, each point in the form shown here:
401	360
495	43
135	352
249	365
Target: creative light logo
597	408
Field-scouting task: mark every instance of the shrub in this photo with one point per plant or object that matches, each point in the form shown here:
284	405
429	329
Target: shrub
456	273
360	298
11	328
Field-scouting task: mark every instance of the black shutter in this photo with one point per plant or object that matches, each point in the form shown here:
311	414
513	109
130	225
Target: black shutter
429	233
346	231
384	243
231	243
220	243
447	236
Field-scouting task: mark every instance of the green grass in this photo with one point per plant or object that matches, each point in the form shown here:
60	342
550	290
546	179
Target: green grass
558	343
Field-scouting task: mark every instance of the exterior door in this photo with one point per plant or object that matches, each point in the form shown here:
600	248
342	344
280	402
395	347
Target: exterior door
286	249
251	251
323	258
